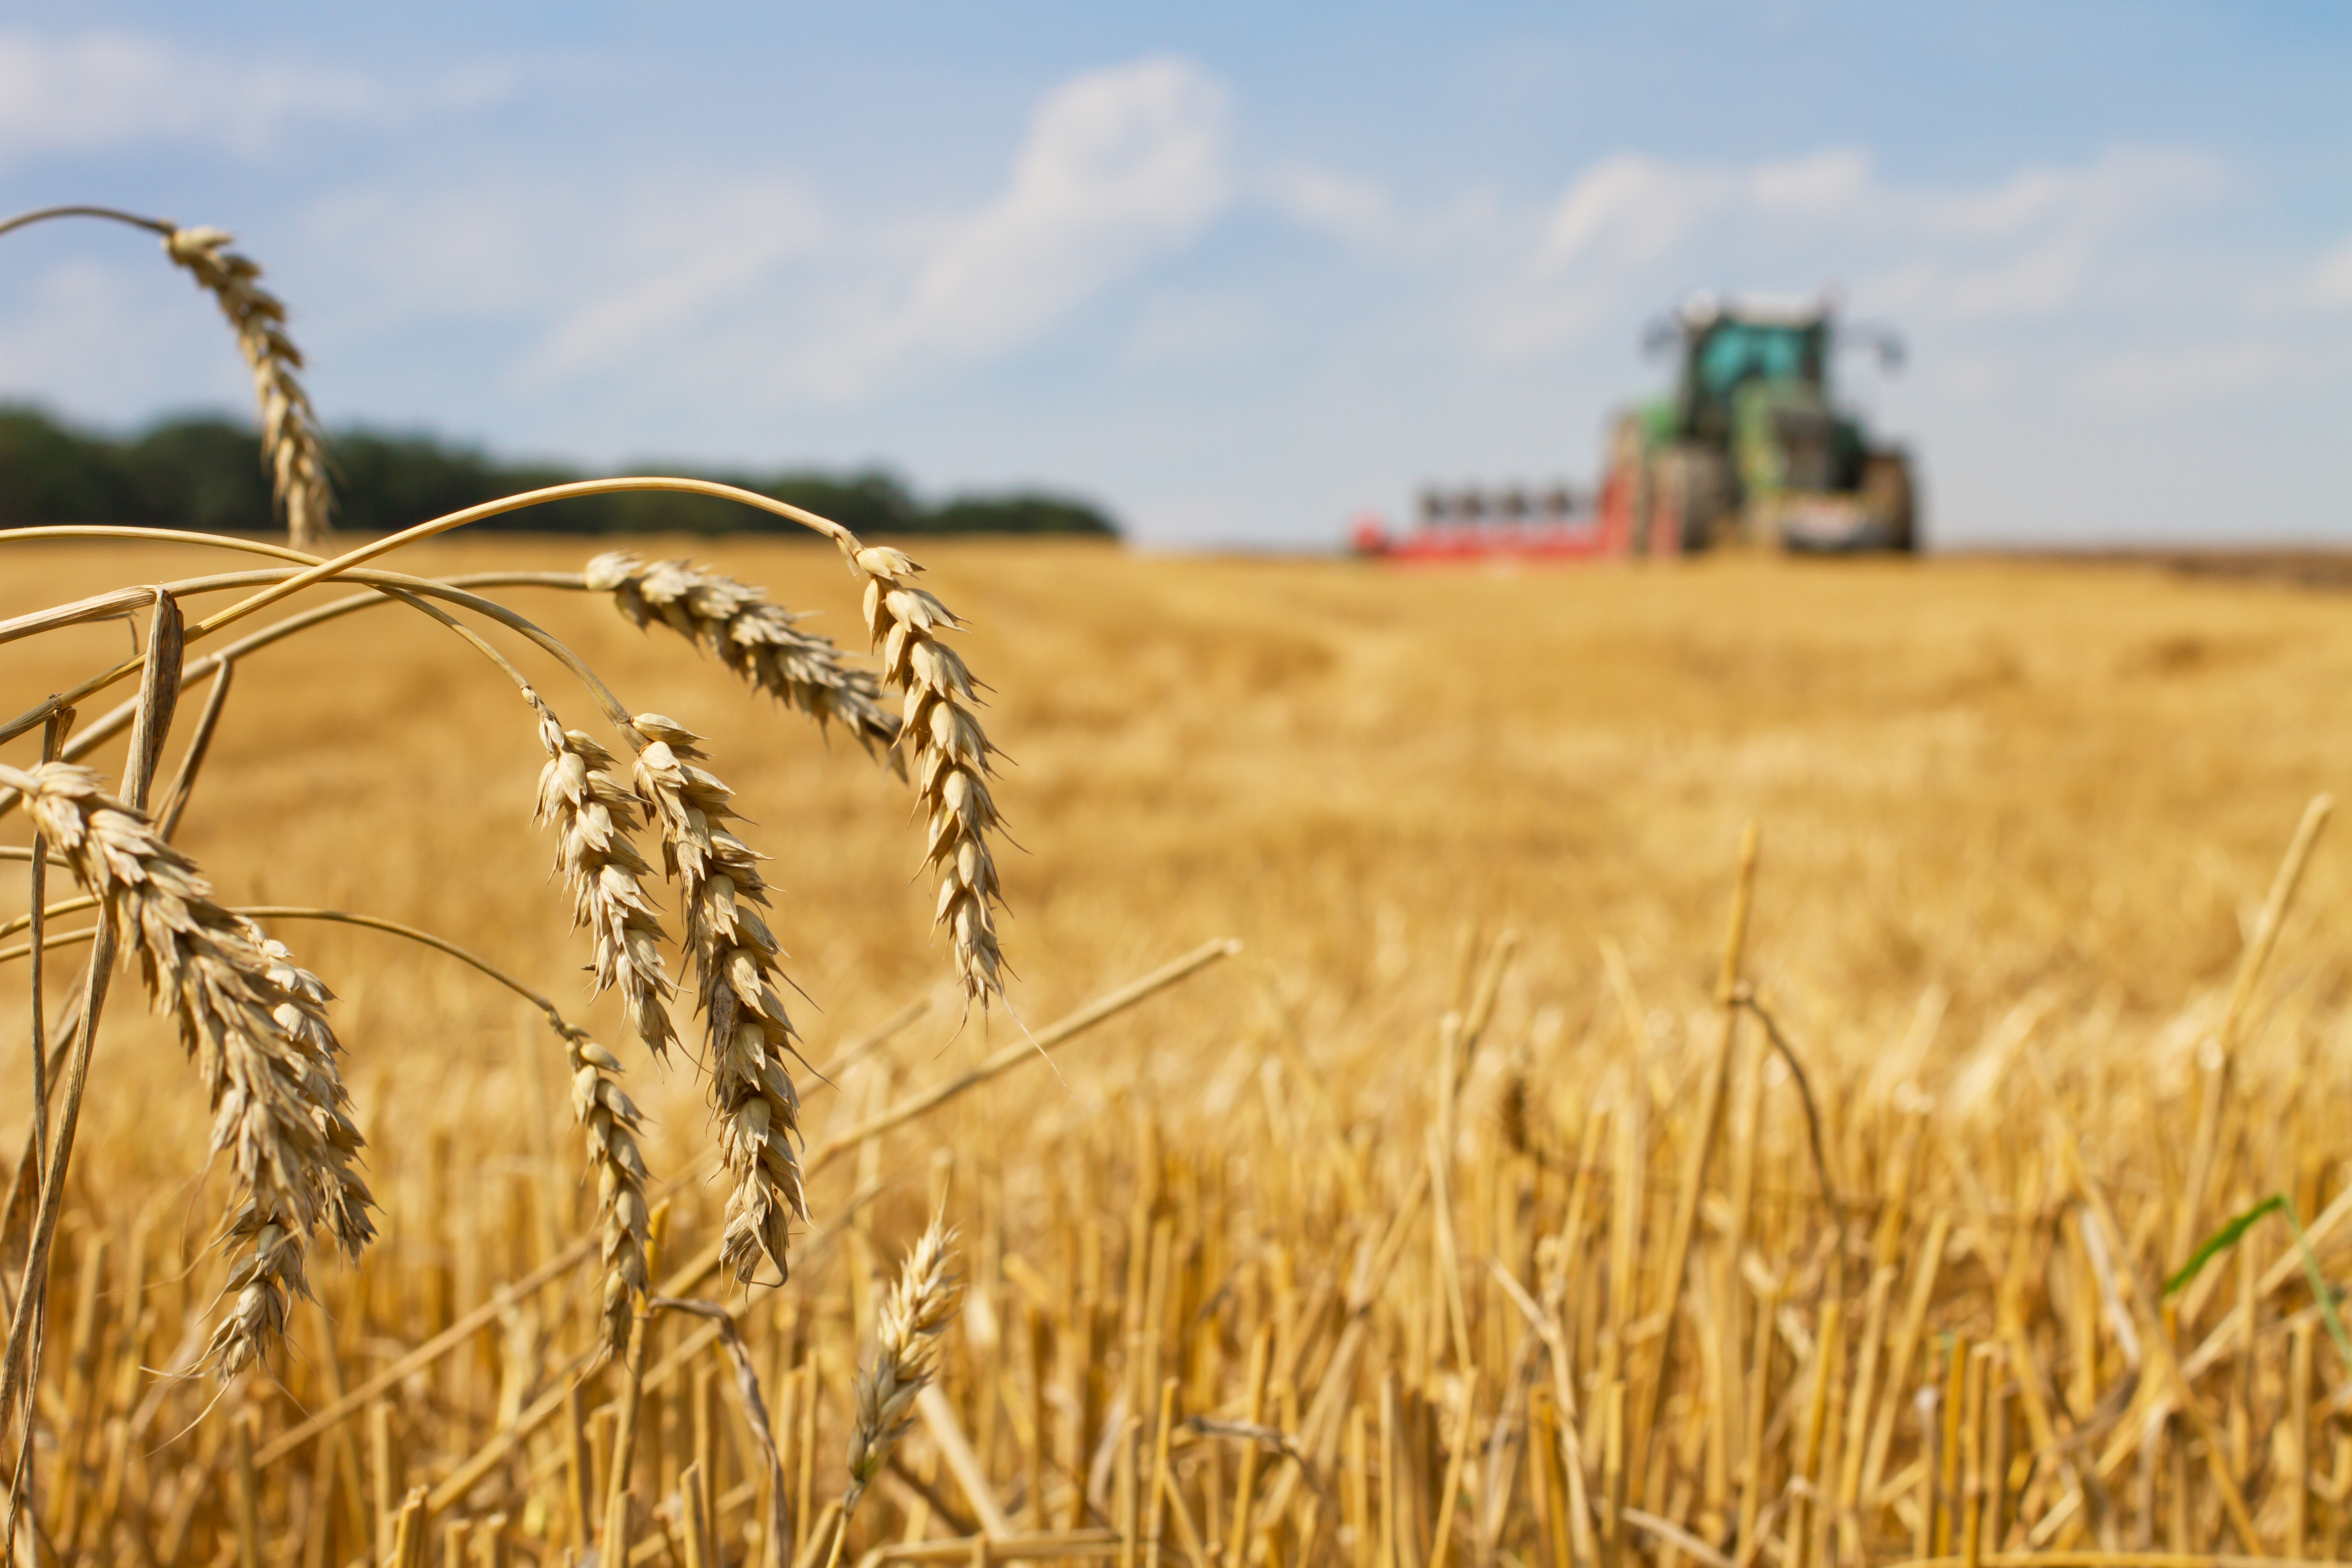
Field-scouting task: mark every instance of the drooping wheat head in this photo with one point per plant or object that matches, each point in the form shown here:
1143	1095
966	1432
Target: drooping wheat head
611	1123
290	440
593	815
747	1033
256	1025
760	640
906	1356
949	752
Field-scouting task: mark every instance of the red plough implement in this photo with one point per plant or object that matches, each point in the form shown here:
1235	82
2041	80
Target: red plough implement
1469	527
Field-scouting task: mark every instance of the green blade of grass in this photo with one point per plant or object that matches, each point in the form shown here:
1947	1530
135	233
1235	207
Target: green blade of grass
2231	1234
2223	1238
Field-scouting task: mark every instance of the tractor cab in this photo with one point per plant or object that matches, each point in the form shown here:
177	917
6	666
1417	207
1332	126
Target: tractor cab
1750	446
1725	353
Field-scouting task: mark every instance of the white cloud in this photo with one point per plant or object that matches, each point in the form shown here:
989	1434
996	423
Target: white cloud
2331	280
2033	246
115	335
2047	240
726	243
1354	211
1818	185
1120	166
1627	210
110	88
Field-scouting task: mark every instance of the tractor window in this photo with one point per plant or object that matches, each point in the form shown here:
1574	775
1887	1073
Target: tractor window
1736	352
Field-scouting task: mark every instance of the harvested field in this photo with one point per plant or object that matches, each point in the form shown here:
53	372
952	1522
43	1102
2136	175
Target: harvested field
1376	1243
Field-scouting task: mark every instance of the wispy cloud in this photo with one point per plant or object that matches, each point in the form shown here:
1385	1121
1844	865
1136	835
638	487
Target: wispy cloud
2331	280
733	238
1347	208
107	89
1120	168
2038	242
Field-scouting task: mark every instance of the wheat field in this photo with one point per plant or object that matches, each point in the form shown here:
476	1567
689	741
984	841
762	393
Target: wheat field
1374	1242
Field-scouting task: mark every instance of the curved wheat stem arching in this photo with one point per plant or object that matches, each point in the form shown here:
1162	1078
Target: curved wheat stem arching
290	440
940	728
292	446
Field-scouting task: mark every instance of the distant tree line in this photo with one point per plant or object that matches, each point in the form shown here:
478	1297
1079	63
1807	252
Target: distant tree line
205	473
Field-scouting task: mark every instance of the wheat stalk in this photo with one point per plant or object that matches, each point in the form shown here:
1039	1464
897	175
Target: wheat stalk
753	636
950	753
593	815
905	1357
747	1032
256	1023
290	440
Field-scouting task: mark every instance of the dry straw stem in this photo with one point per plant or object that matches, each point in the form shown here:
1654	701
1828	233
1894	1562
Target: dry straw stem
290	441
256	1023
747	1033
752	635
91	736
729	1338
905	1357
949	752
343	567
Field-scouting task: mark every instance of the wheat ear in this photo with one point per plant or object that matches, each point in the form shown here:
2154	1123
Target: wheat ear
290	440
753	636
256	1025
593	815
950	754
748	1035
612	1124
906	1356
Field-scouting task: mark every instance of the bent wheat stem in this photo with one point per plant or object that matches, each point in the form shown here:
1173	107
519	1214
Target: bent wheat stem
291	445
290	440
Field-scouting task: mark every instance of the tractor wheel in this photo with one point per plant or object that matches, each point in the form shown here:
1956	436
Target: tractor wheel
1693	487
1628	488
1886	492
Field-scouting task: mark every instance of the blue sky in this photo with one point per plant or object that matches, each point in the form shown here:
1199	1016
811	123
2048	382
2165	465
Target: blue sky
1236	271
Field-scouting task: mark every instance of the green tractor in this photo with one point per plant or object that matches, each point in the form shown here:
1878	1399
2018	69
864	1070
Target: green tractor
1750	448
